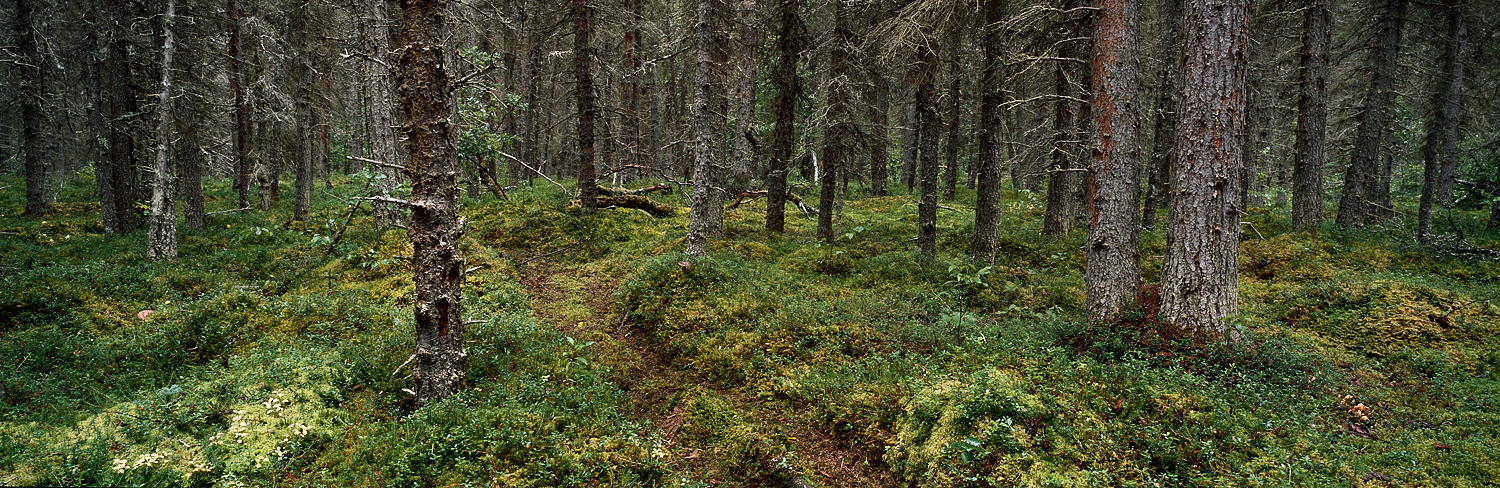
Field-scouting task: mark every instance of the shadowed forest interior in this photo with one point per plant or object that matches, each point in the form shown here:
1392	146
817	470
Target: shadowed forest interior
925	243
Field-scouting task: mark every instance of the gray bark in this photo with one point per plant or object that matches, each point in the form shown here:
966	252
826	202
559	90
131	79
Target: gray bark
161	240
1439	152
1358	203
1312	119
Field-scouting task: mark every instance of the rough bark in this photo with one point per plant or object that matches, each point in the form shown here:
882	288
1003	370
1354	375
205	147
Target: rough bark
1357	204
927	142
1439	152
1198	288
190	166
241	117
99	140
583	79
909	136
1058	220
630	88
38	186
302	42
161	240
1312	118
1168	78
744	98
707	129
122	105
1113	269
955	96
381	119
788	91
987	165
838	145
435	228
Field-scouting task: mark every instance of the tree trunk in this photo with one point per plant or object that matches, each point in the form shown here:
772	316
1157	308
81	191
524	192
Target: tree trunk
788	91
381	118
955	95
880	119
707	207
190	166
161	240
838	146
38	185
909	136
241	118
1357	204
583	78
987	167
630	89
1312	119
301	40
1439	151
1168	76
1061	200
435	228
1113	271
927	142
121	103
1198	288
744	96
103	170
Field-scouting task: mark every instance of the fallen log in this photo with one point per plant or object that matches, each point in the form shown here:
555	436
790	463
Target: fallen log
750	196
610	192
636	202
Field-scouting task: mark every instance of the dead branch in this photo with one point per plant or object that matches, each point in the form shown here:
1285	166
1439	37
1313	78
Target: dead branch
534	170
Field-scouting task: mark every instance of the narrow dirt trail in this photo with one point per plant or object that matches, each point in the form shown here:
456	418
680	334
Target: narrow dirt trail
580	302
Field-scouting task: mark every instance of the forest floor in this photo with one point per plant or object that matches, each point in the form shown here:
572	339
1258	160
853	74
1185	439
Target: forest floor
268	354
580	302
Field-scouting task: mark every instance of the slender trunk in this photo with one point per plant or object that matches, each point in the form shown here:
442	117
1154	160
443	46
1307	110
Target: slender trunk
583	78
839	138
706	215
880	119
99	137
1167	79
1198	288
909	136
190	166
1357	204
241	119
987	167
161	241
744	97
927	141
435	228
302	42
38	186
630	89
1255	117
955	96
788	91
1439	151
1113	271
1312	119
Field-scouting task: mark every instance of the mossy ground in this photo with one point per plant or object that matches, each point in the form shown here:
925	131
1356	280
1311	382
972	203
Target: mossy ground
608	358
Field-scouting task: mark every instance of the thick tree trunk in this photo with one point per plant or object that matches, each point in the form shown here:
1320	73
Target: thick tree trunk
1113	271
381	118
190	166
1439	152
583	79
161	241
788	91
987	167
927	142
706	218
1357	205
435	228
1198	288
121	104
38	185
302	42
1168	75
1312	118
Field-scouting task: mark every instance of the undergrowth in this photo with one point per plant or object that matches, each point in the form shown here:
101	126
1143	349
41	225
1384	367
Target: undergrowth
266	355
